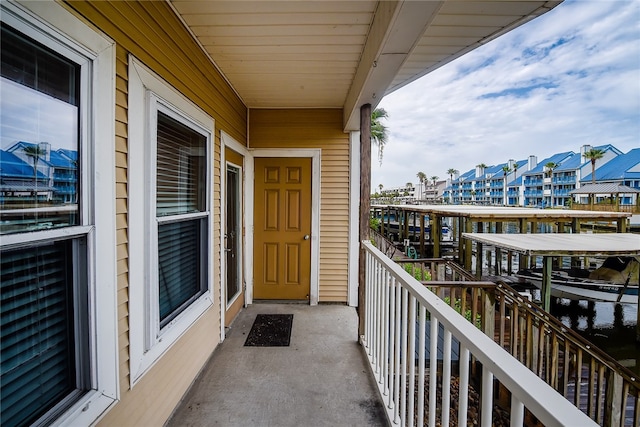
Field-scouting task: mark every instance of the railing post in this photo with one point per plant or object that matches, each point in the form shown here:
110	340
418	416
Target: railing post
613	400
488	313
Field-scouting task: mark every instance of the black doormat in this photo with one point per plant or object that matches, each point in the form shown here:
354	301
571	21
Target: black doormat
270	330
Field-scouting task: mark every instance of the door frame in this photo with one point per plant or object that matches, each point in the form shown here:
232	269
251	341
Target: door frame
246	180
240	251
315	155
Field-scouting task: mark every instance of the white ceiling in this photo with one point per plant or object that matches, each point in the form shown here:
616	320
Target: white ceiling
341	54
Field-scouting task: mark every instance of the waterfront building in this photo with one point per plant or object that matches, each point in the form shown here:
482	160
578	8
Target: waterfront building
499	186
528	182
55	179
434	192
537	181
405	194
623	169
462	187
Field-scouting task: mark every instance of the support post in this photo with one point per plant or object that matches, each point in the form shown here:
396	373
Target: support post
365	204
436	234
522	259
575	229
498	266
532	259
622	225
546	282
479	249
461	252
422	231
468	244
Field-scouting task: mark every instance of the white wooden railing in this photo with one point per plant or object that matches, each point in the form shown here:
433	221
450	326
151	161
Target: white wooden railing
396	305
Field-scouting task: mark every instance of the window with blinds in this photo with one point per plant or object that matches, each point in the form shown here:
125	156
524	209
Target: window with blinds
181	211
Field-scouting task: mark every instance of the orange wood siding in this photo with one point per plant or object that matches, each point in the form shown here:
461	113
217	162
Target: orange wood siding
317	129
152	33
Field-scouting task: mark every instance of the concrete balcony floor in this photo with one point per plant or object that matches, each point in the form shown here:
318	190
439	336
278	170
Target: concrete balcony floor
321	379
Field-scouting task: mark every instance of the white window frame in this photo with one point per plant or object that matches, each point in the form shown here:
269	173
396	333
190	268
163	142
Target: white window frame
148	93
52	25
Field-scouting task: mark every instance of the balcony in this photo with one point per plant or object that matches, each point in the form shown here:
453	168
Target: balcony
564	180
326	378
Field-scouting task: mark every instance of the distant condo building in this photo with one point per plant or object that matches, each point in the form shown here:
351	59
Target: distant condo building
561	180
53	178
426	193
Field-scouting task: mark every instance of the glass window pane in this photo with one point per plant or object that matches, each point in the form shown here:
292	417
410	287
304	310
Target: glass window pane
181	168
38	341
181	271
39	117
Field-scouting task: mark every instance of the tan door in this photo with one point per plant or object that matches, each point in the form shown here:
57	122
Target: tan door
282	228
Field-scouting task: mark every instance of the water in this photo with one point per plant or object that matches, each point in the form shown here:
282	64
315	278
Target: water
609	326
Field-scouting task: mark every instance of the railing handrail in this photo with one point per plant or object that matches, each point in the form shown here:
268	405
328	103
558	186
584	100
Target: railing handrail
576	339
553	323
541	399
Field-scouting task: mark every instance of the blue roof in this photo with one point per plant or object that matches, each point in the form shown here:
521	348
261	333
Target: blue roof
556	158
624	166
572	163
467	175
11	166
607	147
515	182
59	161
70	154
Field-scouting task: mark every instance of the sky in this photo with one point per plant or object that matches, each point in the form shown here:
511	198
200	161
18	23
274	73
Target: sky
568	78
31	116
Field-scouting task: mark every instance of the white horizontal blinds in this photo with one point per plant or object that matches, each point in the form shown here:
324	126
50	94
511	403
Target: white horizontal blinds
180	267
180	190
38	355
180	168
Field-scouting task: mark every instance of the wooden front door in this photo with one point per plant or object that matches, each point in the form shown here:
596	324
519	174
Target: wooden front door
282	228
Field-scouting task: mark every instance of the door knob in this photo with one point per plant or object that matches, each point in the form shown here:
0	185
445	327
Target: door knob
306	237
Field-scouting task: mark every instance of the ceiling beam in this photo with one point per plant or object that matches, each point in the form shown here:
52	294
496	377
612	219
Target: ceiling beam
396	29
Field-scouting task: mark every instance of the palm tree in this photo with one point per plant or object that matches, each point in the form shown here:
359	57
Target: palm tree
506	169
421	177
481	165
379	132
34	151
550	167
593	155
434	179
381	187
451	172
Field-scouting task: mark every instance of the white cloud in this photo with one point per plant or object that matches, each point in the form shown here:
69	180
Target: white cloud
568	78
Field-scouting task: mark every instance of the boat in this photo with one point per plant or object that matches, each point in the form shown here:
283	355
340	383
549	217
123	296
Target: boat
616	280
